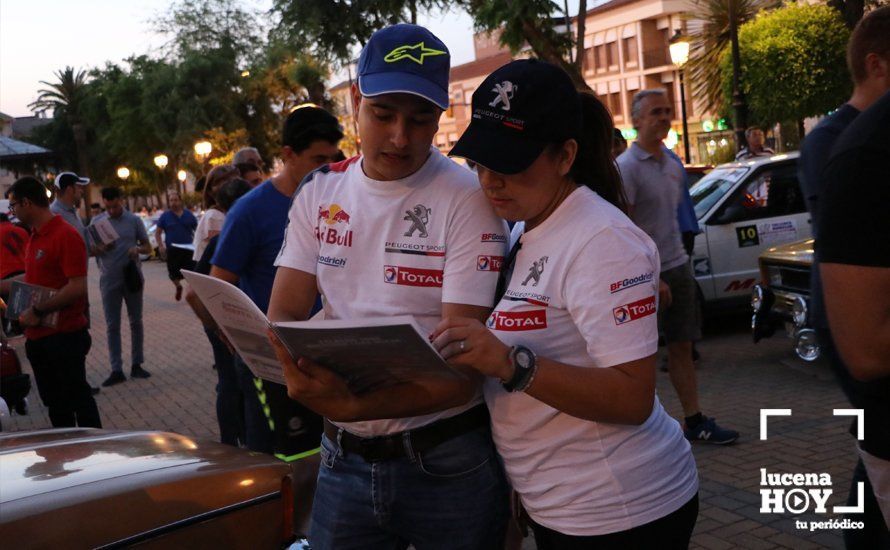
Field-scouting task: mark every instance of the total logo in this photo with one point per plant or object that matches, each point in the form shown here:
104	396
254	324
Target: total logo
634	310
518	320
489	263
412	276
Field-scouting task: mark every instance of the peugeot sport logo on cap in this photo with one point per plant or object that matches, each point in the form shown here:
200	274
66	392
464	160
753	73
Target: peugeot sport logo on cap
517	111
406	59
65	179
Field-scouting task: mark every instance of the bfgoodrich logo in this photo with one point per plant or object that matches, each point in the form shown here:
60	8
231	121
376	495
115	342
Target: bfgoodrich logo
412	276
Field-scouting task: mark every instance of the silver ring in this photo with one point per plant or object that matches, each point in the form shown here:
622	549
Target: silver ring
462	349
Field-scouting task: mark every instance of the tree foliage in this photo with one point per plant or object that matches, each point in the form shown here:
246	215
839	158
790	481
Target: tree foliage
793	63
532	23
708	25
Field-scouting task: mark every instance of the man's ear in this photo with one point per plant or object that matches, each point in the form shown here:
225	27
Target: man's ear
356	97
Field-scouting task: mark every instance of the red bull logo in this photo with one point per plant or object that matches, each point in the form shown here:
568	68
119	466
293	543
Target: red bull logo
489	263
333	214
634	310
332	236
518	320
411	276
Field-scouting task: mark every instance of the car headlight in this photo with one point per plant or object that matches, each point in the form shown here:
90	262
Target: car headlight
799	311
756	298
774	275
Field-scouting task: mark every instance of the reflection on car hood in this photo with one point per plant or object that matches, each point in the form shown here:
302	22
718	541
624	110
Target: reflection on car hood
34	463
799	252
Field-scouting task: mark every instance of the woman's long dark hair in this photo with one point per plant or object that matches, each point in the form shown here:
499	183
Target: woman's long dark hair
594	165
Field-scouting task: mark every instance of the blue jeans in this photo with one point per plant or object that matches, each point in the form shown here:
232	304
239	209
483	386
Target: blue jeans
114	292
257	433
229	398
453	496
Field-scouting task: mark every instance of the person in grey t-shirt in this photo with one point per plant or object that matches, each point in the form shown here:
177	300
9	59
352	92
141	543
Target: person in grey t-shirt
114	259
69	193
653	183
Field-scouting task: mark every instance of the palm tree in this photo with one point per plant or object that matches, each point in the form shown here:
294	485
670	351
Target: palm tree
708	26
66	99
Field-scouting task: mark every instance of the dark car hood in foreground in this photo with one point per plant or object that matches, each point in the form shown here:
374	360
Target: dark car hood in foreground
798	252
111	484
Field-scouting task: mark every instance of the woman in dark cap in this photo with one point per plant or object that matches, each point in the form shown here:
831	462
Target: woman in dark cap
569	350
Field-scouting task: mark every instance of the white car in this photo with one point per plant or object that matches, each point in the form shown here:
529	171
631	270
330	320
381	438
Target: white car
744	208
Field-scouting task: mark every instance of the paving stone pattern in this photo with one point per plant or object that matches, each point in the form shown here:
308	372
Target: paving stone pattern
736	380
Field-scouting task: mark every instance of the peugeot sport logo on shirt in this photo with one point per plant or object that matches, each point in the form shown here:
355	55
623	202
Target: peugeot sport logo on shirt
535	271
333	215
419	216
517	320
412	276
630	282
489	263
634	310
505	91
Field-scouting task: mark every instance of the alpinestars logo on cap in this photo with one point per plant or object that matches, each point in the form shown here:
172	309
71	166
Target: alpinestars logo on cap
416	53
419	217
505	91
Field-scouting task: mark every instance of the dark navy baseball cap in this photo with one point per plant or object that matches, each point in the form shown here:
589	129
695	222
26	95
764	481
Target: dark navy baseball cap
405	59
518	110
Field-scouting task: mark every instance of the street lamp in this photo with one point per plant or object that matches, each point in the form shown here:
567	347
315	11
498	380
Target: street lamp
679	48
203	149
123	172
161	161
181	176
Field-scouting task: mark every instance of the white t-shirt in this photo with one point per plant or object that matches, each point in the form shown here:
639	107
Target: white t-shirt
381	248
584	292
212	220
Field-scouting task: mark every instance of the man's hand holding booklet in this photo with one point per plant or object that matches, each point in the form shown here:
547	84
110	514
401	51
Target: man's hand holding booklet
369	354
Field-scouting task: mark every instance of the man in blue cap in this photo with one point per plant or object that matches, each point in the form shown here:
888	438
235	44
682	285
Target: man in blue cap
399	230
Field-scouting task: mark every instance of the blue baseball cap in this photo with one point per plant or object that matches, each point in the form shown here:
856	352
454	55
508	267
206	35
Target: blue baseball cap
405	59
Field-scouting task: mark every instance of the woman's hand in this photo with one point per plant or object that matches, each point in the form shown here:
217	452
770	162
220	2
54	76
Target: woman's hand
318	388
467	342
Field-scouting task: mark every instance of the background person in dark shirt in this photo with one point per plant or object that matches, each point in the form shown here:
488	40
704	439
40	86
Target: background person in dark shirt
178	225
868	53
854	256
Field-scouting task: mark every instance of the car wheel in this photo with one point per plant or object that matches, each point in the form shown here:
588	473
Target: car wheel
21	408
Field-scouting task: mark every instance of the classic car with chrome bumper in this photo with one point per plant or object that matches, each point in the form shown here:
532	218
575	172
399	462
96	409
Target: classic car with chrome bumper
783	297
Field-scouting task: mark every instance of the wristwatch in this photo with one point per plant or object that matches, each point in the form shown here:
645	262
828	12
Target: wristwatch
524	367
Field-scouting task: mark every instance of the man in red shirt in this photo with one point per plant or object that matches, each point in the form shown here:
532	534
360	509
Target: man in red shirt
56	258
12	244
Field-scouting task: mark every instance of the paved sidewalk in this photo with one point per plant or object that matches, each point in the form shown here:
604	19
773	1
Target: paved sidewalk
736	380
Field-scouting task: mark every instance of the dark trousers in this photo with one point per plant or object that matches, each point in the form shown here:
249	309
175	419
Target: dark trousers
59	365
177	260
672	532
229	397
257	432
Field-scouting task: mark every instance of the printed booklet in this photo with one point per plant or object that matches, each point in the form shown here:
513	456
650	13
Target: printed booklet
369	353
23	295
101	231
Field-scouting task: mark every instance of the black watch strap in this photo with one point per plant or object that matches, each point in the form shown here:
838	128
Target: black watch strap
522	375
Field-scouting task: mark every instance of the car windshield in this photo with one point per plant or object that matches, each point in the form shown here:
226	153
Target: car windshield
711	188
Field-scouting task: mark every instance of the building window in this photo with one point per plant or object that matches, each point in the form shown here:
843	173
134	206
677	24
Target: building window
613	55
630	52
601	63
589	62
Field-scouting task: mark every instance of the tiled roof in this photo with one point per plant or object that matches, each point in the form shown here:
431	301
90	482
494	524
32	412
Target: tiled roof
11	149
480	67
